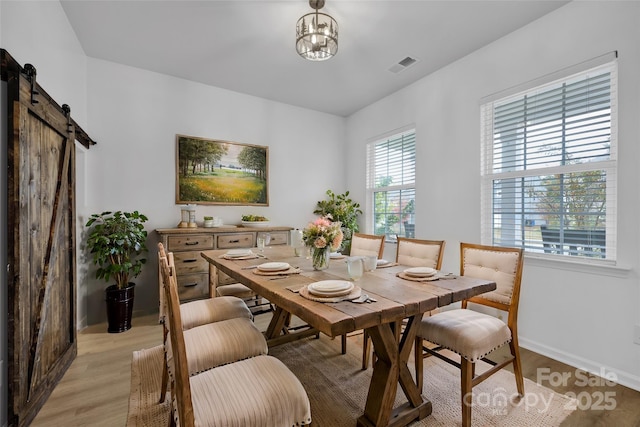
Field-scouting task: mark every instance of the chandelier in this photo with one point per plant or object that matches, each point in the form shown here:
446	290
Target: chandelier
316	34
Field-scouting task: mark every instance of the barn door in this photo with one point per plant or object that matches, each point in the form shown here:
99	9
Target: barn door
41	324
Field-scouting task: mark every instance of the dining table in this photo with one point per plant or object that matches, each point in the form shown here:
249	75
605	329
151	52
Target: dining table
391	321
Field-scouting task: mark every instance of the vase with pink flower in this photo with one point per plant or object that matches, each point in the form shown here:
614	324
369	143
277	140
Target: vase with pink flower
323	236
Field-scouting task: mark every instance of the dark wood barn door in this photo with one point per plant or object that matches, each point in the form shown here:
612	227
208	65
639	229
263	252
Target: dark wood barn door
41	324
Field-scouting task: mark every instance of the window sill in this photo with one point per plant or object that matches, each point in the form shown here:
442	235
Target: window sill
599	267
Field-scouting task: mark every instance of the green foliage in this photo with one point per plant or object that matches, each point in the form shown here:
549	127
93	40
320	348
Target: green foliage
199	154
254	159
581	196
117	241
254	218
340	207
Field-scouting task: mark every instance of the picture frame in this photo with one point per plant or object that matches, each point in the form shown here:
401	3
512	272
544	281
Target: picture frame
217	172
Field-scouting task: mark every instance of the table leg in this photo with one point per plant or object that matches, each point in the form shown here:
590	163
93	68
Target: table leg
278	331
389	370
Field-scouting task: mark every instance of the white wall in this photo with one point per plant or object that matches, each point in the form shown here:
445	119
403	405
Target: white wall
580	315
135	116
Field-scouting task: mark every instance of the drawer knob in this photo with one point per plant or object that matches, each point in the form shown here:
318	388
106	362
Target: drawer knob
234	241
192	243
190	260
190	285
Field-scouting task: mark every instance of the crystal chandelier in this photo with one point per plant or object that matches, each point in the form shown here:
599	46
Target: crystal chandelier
316	34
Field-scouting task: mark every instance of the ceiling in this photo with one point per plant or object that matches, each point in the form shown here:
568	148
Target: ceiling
249	46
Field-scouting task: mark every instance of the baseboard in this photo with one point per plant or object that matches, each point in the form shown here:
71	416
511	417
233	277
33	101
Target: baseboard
623	378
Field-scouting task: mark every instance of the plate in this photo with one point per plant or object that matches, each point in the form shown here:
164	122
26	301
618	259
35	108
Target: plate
237	253
420	271
274	266
382	262
256	224
330	288
336	255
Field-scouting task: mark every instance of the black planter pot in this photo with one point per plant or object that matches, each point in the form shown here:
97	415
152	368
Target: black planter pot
119	308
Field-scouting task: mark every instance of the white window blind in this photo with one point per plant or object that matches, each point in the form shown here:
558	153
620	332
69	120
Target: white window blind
549	167
391	178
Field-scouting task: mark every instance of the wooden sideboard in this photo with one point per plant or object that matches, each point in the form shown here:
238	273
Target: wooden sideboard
192	271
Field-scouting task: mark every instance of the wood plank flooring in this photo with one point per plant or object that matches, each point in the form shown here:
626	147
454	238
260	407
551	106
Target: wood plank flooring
95	390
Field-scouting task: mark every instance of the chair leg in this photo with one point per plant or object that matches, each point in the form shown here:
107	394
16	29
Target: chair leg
465	390
517	365
366	349
419	363
344	344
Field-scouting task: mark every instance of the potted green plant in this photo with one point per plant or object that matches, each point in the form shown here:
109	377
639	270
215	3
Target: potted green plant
117	241
340	207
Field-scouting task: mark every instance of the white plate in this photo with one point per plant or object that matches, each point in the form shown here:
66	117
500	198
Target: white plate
335	255
237	253
274	266
382	262
330	288
420	271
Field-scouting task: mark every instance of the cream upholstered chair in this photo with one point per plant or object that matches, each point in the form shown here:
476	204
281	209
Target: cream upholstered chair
419	253
364	245
410	253
216	331
367	245
256	392
471	334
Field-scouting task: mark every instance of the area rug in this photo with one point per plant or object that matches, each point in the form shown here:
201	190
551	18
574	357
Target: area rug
337	389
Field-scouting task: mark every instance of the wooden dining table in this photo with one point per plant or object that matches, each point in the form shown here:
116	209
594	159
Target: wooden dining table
397	300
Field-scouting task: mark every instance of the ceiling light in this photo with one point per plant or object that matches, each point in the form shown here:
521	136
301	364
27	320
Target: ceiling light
316	34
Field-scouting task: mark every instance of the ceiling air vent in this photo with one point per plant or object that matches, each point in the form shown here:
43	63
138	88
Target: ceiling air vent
403	65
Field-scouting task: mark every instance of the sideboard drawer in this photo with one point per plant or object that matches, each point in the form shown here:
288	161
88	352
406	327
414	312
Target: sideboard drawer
277	237
235	240
190	242
193	286
190	262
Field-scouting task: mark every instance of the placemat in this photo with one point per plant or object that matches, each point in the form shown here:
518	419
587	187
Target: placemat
290	270
405	276
355	293
389	264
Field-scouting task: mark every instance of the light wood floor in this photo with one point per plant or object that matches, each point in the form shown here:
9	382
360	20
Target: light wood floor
95	390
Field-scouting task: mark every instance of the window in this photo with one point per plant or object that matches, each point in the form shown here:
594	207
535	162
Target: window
391	180
549	167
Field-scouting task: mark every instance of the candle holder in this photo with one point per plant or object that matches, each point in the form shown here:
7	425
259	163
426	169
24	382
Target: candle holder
187	216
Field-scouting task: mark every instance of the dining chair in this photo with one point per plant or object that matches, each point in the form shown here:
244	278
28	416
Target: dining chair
213	337
367	245
411	253
364	245
473	335
259	391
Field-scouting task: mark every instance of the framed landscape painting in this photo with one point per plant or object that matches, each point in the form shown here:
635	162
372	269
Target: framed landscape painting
215	172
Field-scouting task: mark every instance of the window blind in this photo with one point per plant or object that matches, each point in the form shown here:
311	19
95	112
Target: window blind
549	167
391	164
